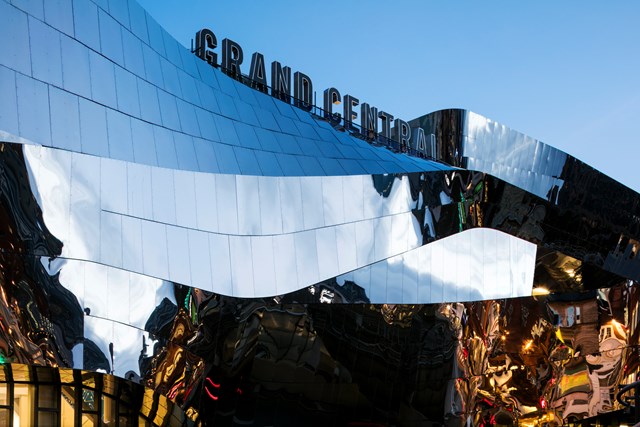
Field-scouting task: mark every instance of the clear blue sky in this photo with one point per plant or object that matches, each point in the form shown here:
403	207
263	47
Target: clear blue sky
567	73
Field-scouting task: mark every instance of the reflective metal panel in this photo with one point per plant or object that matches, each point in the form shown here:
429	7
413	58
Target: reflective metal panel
154	249
85	22
8	110
110	37
127	92
103	84
33	113
569	342
15	28
200	260
46	62
178	252
65	120
186	152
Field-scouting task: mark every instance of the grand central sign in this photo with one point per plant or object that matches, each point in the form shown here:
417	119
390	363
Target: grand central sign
374	123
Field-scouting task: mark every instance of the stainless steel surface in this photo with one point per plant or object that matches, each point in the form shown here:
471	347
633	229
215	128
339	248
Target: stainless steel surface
166	223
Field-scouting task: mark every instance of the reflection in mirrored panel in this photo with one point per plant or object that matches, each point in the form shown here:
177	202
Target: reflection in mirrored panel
248	200
263	256
407	240
271	220
33	114
120	142
185	201
406	212
179	260
200	260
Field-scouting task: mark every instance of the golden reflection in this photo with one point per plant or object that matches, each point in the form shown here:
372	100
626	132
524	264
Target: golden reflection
23	405
540	291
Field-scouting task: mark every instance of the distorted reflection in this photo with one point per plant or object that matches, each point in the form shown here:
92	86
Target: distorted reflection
340	350
553	358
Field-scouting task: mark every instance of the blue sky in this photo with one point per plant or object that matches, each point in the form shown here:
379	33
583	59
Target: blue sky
567	73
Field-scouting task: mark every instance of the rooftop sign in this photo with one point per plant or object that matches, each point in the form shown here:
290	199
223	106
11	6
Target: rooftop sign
374	124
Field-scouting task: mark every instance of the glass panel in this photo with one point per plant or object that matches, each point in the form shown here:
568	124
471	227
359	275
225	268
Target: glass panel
126	420
67	412
89	420
21	373
108	410
88	400
4	395
109	384
4	416
88	379
47	396
47	418
66	376
22	404
44	374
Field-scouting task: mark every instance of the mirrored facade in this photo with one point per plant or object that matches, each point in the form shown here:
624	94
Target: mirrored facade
179	248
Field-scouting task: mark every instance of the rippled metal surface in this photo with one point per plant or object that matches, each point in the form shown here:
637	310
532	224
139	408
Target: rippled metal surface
345	350
183	226
249	262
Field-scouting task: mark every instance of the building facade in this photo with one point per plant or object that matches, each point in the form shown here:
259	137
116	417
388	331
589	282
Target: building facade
183	247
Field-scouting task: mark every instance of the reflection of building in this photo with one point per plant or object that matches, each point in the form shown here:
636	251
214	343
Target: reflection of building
175	231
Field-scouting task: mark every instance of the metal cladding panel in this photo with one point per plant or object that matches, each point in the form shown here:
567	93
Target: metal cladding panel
164	223
140	258
170	205
129	65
